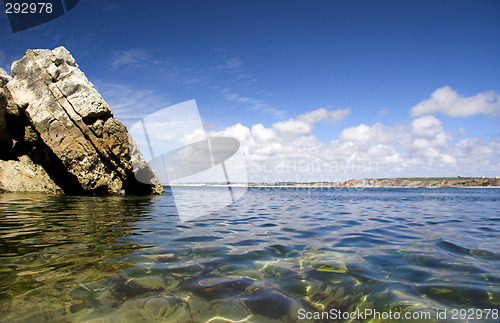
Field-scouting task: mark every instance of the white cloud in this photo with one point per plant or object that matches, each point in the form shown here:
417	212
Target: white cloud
242	99
363	134
382	113
254	104
448	159
238	131
323	114
303	124
293	127
4	64
287	151
260	133
231	65
239	78
427	126
133	57
234	67
447	101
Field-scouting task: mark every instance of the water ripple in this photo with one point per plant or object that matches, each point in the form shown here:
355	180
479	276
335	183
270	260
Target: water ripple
260	259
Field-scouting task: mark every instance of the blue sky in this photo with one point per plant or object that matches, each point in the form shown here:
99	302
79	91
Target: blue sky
257	69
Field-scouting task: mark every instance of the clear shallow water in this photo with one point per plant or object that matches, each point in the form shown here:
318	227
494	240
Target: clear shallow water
265	258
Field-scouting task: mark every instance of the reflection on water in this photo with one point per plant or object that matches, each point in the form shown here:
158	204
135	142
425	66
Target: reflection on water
262	259
51	244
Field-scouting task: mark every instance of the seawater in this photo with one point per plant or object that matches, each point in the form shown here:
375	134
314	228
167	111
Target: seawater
276	255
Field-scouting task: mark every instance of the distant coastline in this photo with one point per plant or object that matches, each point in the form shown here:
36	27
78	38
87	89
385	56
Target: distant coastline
411	182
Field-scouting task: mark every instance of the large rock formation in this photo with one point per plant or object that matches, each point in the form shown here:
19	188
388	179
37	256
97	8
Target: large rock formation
51	113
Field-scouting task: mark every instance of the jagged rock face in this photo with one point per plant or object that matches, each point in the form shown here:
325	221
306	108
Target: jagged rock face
5	141
70	129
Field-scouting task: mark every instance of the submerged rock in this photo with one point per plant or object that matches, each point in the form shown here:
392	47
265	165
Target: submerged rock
150	282
271	304
159	308
132	288
50	112
216	287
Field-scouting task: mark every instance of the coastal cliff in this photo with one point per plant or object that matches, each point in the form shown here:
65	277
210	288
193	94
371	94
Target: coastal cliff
423	182
57	134
458	182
